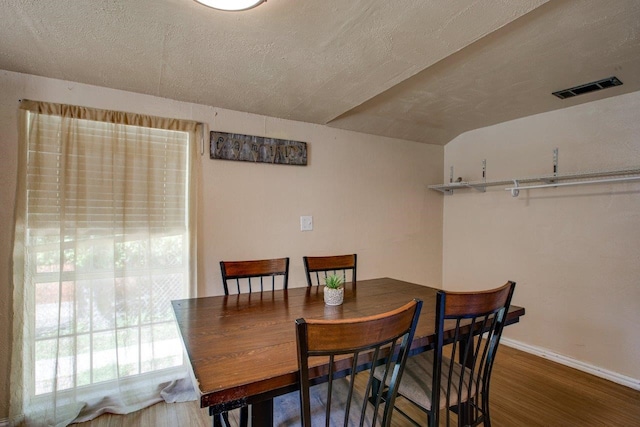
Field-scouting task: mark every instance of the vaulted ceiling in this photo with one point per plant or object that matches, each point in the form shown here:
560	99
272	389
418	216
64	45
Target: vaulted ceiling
420	70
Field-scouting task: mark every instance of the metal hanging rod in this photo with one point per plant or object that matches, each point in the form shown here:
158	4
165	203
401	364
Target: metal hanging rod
515	190
548	180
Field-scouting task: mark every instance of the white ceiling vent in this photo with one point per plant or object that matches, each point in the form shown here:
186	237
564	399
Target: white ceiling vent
587	87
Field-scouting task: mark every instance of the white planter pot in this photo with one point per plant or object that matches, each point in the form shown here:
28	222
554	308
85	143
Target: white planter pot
333	296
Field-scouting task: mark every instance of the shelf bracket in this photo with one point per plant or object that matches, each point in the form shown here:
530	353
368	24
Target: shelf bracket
483	188
515	191
484	170
555	168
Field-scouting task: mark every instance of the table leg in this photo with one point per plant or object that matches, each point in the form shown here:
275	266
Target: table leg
221	420
262	413
217	420
464	409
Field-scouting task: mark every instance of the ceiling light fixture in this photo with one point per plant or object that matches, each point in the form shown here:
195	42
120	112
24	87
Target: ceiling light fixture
231	5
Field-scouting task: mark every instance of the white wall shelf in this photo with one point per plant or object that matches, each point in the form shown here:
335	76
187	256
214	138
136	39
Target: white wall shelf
544	181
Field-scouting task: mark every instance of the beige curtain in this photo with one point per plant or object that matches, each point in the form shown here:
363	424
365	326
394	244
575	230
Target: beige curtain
104	240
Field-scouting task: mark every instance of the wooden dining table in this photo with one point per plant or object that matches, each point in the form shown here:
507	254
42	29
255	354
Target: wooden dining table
242	348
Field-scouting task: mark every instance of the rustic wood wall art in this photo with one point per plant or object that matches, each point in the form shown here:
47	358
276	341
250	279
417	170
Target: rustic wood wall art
257	149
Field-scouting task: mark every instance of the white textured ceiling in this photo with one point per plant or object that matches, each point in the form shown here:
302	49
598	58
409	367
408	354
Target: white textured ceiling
421	70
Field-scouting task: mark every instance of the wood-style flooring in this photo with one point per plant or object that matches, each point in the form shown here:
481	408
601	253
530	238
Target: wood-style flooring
526	390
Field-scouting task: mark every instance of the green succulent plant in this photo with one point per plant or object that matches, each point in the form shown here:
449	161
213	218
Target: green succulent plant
333	282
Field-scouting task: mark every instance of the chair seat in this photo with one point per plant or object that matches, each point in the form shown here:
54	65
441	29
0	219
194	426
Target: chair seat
286	408
417	380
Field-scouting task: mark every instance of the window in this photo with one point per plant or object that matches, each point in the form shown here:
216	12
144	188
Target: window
106	236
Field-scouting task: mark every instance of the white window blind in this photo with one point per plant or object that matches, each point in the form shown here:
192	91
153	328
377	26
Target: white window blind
145	188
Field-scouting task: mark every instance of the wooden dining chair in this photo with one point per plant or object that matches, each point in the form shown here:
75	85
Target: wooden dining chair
330	352
460	383
319	267
255	275
250	276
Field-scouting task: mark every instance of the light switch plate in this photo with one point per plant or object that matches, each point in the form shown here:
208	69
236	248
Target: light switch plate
306	223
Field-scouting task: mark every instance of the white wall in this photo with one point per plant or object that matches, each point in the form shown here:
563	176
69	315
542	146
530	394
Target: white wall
367	194
573	251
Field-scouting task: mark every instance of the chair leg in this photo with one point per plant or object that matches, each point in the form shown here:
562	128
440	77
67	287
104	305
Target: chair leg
464	413
485	411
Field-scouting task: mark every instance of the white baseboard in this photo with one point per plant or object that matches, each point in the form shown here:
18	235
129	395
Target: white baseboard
615	377
4	422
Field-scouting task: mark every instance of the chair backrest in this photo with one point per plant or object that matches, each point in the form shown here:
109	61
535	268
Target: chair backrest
319	267
479	319
261	271
350	345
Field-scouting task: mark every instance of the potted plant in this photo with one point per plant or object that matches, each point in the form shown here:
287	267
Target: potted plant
333	290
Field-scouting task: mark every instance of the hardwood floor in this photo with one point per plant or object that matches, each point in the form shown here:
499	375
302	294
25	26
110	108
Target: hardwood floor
532	391
526	391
